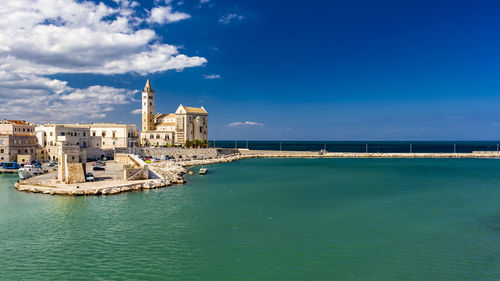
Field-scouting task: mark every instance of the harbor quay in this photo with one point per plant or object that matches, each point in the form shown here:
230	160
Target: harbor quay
121	176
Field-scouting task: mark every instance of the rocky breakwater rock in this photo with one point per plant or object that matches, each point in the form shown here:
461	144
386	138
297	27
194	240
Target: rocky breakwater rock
170	171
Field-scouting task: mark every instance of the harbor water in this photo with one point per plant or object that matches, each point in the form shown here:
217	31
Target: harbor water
268	219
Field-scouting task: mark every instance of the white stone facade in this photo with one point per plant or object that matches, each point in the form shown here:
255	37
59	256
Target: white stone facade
97	139
186	124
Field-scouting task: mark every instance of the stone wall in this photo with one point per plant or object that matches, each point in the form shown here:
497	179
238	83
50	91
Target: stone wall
182	153
76	174
136	173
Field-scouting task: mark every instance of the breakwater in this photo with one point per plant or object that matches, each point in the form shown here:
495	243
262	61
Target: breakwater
319	154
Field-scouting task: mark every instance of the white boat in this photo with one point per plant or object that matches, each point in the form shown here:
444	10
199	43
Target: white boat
28	171
203	171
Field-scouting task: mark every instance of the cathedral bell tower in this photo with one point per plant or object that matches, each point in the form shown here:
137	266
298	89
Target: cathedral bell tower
148	108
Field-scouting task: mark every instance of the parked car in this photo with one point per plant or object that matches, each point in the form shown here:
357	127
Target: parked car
89	177
98	168
53	164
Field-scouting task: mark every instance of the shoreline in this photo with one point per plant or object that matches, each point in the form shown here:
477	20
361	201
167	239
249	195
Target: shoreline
172	172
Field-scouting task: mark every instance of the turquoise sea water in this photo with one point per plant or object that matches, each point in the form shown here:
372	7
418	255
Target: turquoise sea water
268	219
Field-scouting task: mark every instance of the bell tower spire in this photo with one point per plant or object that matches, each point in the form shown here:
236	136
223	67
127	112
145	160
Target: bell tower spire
148	107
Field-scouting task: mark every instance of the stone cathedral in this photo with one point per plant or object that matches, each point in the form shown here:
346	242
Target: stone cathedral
186	124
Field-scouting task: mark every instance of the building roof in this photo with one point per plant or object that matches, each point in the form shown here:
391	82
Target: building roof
148	88
199	110
160	115
87	126
18	122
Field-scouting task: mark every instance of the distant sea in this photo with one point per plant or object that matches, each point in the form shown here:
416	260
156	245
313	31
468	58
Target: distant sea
363	146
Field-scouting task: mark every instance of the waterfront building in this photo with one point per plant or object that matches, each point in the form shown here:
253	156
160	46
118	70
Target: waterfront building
97	139
186	124
16	127
17	141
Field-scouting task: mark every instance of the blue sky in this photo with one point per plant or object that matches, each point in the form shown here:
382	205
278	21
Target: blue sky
315	70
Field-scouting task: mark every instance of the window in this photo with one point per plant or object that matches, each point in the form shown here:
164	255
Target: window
114	134
103	134
103	143
51	134
201	130
1	141
151	104
114	143
1	150
25	151
83	133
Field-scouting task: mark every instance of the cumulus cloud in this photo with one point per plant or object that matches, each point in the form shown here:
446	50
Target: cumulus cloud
246	123
136	111
211	76
165	14
230	17
41	38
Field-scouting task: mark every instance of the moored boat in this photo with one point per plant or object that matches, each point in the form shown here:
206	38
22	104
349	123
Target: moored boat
203	171
28	171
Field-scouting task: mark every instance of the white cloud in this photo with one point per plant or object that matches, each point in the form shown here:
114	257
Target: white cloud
203	2
43	37
97	115
211	76
230	17
165	14
246	123
136	111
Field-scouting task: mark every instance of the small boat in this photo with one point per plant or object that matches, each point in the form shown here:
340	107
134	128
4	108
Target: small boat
203	171
28	171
